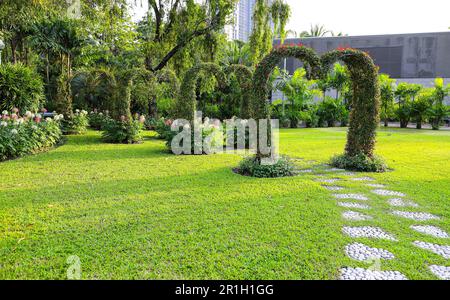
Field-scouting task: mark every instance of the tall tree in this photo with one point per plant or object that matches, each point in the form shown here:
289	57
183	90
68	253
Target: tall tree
171	26
264	15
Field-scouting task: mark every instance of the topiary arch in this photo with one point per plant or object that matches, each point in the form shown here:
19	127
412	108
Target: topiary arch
244	76
122	100
187	101
365	113
262	74
265	68
364	117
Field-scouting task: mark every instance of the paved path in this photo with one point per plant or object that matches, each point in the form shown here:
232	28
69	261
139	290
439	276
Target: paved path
358	208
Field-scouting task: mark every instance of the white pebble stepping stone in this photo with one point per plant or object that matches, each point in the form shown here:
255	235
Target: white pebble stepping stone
376	185
440	271
367	232
388	193
443	251
334	170
361	252
333	180
349	174
397	202
416	216
355	216
362	179
430	230
353	205
363	274
351	196
333	188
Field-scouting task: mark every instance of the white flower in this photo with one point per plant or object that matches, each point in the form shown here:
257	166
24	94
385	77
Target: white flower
4	124
39	116
14	131
28	113
100	114
77	110
58	117
48	120
5	112
34	127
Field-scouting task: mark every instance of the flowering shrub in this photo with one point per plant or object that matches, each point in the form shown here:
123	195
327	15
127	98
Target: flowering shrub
76	123
123	131
21	135
163	129
98	119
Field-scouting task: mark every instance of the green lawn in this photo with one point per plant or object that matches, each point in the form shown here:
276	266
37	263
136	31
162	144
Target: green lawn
137	212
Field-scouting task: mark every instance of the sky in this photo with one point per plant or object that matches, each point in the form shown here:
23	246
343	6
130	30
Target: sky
366	17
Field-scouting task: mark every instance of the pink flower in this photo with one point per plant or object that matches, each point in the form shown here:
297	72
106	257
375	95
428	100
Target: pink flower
122	118
44	110
15	110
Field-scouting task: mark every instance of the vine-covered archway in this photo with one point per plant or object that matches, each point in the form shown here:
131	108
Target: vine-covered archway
122	99
365	113
262	74
187	101
244	76
364	117
264	69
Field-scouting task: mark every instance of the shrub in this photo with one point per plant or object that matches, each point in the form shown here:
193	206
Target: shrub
26	135
359	162
77	123
124	131
163	129
97	119
20	87
251	166
151	123
331	110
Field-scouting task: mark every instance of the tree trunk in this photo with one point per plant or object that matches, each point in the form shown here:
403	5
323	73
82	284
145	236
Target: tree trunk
404	123
419	123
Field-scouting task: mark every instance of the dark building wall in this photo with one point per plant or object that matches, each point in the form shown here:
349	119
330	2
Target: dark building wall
421	55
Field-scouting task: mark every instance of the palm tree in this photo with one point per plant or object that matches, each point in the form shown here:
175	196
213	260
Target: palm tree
316	31
236	53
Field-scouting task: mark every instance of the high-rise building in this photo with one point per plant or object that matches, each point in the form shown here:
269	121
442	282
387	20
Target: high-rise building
243	21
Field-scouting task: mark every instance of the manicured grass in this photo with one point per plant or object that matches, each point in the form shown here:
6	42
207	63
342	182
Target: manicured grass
137	212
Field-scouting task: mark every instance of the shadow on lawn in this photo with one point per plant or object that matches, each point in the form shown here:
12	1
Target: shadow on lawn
195	184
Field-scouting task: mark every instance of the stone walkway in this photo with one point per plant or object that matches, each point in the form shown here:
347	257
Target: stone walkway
360	252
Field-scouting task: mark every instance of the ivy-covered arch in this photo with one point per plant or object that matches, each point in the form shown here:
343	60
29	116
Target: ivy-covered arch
122	100
365	113
187	101
244	76
264	69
